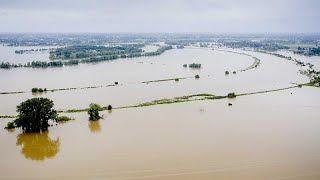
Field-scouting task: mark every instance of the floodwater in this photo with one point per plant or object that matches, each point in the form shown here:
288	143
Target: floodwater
315	60
150	48
265	136
8	54
131	72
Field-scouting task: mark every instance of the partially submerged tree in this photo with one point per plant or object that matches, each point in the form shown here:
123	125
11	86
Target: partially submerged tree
232	95
10	125
34	114
194	65
34	90
94	112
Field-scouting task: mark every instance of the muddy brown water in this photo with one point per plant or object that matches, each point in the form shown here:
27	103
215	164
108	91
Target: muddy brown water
265	136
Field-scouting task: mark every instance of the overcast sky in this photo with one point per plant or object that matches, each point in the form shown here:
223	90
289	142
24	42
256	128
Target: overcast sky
217	16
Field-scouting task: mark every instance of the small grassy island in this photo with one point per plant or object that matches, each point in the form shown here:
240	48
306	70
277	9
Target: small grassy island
195	66
63	118
40	90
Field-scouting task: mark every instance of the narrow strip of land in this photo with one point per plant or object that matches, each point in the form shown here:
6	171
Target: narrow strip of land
255	64
181	99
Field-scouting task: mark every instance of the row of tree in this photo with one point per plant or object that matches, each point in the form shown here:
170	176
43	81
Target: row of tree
89	51
35	115
37	64
159	51
131	53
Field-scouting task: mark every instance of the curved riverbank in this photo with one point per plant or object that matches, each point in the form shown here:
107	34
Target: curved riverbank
255	64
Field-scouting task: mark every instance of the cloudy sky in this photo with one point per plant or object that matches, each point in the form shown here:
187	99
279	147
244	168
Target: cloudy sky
217	16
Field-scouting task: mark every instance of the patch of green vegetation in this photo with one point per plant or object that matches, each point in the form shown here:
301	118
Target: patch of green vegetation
255	64
93	112
163	80
231	95
197	76
10	125
312	84
19	92
158	51
75	110
63	118
62	89
162	101
195	97
194	65
95	52
34	90
40	90
8	117
267	91
75	54
34	114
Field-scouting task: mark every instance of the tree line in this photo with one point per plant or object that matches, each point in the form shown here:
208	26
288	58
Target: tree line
92	54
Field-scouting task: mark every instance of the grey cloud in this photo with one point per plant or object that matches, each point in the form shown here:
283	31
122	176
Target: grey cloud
160	15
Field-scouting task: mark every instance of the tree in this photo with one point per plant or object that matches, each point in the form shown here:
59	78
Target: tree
10	125
94	112
34	90
232	95
34	114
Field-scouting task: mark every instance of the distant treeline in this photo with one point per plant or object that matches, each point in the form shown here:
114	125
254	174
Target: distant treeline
31	50
35	64
308	51
270	46
89	51
159	51
85	54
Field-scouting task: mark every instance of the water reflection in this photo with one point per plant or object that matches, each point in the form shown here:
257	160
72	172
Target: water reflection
38	146
94	126
11	130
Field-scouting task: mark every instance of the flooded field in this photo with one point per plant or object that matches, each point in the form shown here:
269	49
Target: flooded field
8	54
264	136
272	73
